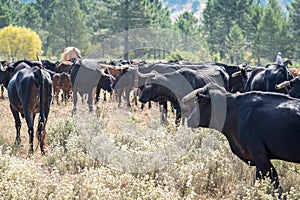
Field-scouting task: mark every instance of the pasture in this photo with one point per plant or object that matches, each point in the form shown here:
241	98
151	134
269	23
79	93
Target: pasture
127	154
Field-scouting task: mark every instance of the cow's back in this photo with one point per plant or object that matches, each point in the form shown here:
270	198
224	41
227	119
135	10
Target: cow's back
24	87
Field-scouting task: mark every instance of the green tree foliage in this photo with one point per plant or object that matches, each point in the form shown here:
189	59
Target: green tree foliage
68	26
294	17
125	15
45	9
187	24
10	12
211	27
235	44
19	42
272	32
30	17
159	16
219	17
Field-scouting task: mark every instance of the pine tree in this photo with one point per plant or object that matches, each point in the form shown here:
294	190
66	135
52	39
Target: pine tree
126	15
294	17
187	24
271	36
30	17
235	44
68	27
219	17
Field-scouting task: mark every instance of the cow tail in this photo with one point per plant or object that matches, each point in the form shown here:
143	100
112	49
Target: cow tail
41	86
41	121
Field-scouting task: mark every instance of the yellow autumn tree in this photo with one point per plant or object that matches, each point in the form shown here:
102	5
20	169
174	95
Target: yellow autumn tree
19	42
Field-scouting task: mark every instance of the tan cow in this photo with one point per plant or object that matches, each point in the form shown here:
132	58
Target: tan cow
71	53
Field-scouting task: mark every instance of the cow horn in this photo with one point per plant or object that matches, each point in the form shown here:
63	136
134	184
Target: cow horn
151	74
40	61
103	73
3	68
236	74
121	67
193	94
283	85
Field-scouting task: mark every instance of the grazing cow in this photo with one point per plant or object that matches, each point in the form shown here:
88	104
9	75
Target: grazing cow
30	92
71	53
86	75
62	81
175	85
294	86
259	126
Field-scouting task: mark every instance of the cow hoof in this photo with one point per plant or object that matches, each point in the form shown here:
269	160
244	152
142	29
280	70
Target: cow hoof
73	112
30	153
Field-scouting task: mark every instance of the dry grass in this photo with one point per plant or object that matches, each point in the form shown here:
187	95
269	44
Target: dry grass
127	154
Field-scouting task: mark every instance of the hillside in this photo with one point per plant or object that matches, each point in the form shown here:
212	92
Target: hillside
197	6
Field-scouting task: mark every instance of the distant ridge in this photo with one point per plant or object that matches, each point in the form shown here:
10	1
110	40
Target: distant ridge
177	7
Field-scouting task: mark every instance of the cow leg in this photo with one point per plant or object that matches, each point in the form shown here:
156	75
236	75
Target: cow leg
104	96
178	117
57	97
97	98
74	102
2	91
64	97
17	125
127	96
264	168
118	95
90	101
41	133
164	111
29	117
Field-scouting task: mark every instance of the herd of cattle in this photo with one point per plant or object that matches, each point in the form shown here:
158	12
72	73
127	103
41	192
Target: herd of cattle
256	108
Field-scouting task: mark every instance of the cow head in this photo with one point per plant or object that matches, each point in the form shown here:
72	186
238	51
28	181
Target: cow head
149	93
294	84
105	81
210	106
2	67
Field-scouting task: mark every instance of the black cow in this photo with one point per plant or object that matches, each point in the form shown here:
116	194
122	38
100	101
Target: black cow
30	92
175	85
265	79
4	76
294	86
259	126
85	76
236	84
50	65
132	77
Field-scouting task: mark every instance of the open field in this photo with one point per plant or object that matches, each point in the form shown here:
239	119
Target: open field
127	154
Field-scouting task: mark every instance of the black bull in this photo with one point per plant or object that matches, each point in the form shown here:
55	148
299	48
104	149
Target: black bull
30	92
175	85
259	126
